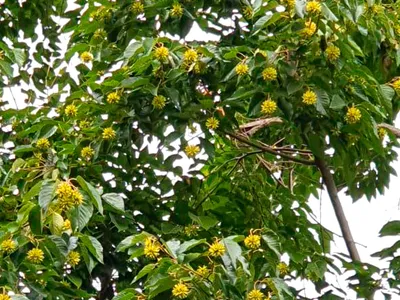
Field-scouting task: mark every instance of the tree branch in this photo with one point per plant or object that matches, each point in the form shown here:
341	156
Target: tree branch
391	128
337	206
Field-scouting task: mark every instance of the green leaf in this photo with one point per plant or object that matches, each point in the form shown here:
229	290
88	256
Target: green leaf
260	23
187	245
127	294
160	286
204	221
132	49
33	192
80	215
294	86
329	15
20	56
337	103
35	220
92	192
19	297
60	243
272	241
77	281
390	228
94	247
89	261
132	241
18	163
115	201
46	194
233	253
143	272
134	82
300	8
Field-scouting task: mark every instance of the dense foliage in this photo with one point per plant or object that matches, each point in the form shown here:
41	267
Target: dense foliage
144	165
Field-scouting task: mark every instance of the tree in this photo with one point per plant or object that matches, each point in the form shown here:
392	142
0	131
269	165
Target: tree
93	187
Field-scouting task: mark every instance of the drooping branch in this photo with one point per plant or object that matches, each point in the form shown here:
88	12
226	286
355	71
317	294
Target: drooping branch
391	128
337	206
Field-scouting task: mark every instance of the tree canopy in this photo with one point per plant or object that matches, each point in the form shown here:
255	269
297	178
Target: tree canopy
142	161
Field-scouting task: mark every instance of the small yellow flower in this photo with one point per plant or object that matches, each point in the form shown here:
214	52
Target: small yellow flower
43	144
216	249
159	102
242	69
313	7
8	246
2	55
4	297
332	53
309	98
64	190
253	241
73	258
108	133
382	133
67	225
283	268
353	115
248	12
190	56
84	124
86	57
100	34
309	29
268	107
151	248
269	74
113	97
35	256
71	110
255	295
396	85
137	8
161	53
77	197
289	3
177	10
192	150
203	271
191	230
212	123
87	153
180	290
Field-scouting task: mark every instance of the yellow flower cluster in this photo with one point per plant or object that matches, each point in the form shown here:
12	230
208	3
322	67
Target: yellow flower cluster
180	290
73	258
66	225
151	248
100	34
255	295
190	56
353	115
212	123
192	150
68	196
203	271
309	29
248	12
216	249
268	107
332	53
269	74
71	110
309	98
108	133
4	297
8	246
87	153
161	53
382	133
101	14
396	85
84	124
289	3
253	241
242	69
159	102
86	57
137	7
313	7
113	97
43	144
283	268
177	10
35	255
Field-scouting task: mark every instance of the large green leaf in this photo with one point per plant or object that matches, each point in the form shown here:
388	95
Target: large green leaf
46	194
115	201
92	192
94	247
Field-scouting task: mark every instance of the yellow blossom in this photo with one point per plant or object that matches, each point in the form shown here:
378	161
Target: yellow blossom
113	97
216	249
151	248
137	7
382	133
191	230
159	102
269	74
100	34
177	10
268	107
66	225
190	56
161	53
43	144
86	57
289	3
203	271
242	69
108	133
253	241
396	85
212	123
309	29
35	255
332	53
71	110
353	115
2	55
309	98
4	297
192	150
180	290
8	246
64	190
68	196
313	7
77	197
248	12
283	268
255	295
87	153
73	258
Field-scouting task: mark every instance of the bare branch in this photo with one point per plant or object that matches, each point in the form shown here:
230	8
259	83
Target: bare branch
391	128
252	127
